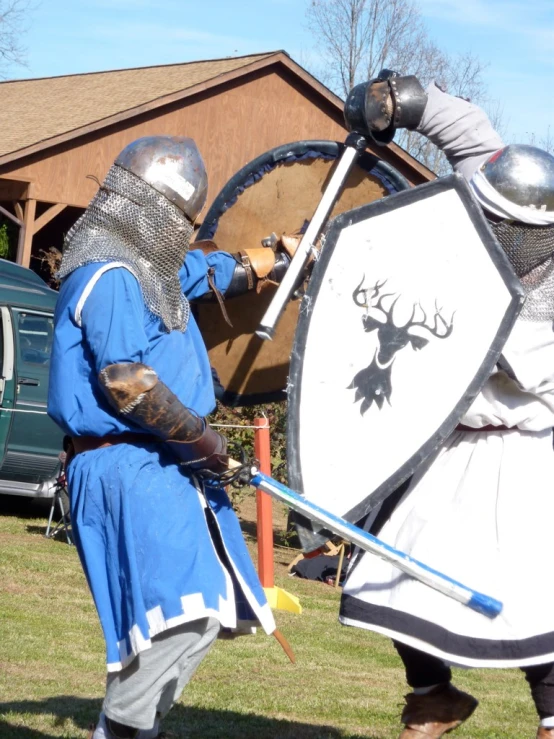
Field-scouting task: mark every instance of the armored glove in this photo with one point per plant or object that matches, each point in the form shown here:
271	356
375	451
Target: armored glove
135	392
378	107
254	268
208	452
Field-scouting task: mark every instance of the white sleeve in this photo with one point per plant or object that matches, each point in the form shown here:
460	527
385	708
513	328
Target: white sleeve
460	129
528	356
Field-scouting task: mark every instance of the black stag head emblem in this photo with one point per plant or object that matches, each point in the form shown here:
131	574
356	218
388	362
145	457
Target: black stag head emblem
373	383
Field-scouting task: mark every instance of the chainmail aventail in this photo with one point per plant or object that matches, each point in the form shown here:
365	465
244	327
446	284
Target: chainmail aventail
130	222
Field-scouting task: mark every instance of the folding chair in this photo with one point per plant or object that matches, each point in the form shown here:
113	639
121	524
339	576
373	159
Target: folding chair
61	502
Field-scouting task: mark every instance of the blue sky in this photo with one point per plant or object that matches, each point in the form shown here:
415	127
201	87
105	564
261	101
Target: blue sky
515	38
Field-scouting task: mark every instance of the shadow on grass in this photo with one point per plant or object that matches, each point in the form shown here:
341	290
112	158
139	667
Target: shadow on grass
184	722
281	537
31	509
22	507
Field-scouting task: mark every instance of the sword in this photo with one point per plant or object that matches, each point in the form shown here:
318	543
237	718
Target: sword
355	145
479	602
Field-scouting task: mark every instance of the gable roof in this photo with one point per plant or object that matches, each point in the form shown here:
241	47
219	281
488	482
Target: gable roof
36	114
41	110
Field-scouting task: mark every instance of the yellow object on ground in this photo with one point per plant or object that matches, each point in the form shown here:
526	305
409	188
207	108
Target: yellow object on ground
280	599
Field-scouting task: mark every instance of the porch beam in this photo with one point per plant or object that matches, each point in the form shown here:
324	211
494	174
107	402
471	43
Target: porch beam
18	221
18	210
47	216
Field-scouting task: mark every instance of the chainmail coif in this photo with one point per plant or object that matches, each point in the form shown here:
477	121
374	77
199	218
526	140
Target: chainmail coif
128	221
526	246
530	250
539	292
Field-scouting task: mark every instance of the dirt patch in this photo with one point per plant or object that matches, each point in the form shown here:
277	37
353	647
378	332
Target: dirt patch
14	588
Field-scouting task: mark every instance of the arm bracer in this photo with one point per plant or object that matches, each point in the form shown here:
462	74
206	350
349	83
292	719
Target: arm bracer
135	391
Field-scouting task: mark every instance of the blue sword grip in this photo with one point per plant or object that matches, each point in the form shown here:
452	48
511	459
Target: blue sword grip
485	604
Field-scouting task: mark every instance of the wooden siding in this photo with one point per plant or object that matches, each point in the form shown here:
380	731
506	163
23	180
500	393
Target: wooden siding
231	125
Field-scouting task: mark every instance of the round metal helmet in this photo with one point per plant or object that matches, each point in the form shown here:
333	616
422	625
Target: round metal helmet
522	174
172	165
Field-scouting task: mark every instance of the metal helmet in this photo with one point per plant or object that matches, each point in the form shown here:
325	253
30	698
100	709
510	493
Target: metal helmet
517	182
173	166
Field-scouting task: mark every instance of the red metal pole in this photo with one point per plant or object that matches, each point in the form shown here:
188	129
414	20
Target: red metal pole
263	505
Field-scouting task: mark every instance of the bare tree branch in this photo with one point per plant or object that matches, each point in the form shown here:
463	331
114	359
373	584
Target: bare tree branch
14	16
546	142
358	38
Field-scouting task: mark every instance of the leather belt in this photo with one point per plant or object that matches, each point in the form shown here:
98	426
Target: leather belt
88	443
490	427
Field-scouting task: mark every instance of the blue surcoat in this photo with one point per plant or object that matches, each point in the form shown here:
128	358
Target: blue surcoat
141	526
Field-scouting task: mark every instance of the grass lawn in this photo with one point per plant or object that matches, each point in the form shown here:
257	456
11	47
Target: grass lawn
347	683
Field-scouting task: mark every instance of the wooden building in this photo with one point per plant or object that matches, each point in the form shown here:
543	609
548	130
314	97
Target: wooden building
60	135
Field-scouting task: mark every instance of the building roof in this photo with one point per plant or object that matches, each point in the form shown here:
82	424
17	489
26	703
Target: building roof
37	110
36	114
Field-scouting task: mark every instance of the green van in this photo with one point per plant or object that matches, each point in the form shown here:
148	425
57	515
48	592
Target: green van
30	442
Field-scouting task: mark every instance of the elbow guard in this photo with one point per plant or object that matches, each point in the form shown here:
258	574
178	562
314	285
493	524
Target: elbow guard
135	391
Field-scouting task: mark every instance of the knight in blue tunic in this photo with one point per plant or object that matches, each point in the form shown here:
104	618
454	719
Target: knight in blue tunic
131	384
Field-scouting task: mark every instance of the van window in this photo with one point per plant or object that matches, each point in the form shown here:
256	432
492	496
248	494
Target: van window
35	333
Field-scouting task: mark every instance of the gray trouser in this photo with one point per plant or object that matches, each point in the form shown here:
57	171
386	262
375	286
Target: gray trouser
155	679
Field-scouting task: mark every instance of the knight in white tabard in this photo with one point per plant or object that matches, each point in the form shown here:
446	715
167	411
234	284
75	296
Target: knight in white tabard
482	508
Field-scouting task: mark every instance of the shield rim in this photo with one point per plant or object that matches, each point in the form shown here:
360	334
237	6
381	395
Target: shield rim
279	155
392	202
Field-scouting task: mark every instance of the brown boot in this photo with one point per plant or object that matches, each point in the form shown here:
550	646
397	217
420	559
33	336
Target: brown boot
437	712
543	733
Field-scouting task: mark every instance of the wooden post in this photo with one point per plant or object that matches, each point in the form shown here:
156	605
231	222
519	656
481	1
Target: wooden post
26	233
341	560
277	597
31	226
263	505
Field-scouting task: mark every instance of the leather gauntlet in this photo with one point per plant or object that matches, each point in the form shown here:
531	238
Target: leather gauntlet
135	392
256	268
209	451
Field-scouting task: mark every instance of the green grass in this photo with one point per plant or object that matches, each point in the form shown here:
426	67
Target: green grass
346	684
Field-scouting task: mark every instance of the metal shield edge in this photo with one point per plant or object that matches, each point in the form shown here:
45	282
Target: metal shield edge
280	154
312	538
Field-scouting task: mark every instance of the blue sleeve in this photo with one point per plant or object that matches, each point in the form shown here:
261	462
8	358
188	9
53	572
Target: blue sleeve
112	320
194	272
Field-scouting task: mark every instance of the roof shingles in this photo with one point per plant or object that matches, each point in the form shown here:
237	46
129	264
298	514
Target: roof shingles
35	110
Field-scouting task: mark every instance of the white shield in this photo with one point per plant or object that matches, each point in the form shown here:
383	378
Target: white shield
405	317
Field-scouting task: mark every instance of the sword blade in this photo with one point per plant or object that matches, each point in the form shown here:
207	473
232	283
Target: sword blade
266	329
479	602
